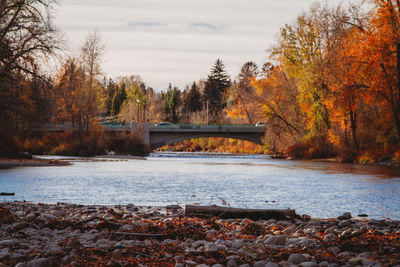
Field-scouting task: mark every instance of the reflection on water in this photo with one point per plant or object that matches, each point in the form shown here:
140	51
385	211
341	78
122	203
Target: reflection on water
320	189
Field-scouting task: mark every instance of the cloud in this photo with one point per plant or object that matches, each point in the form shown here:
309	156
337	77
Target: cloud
146	24
203	26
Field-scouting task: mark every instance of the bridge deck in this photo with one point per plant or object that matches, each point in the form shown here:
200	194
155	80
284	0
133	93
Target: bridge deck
191	128
206	128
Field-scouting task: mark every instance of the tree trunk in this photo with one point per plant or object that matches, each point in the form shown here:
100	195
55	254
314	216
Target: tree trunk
397	98
353	126
254	214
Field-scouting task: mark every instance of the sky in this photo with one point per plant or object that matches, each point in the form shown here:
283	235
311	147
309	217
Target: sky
177	41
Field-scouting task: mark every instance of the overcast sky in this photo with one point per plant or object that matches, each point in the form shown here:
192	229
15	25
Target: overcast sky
177	41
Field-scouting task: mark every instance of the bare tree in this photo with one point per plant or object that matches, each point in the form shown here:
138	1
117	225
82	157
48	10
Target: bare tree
91	55
27	36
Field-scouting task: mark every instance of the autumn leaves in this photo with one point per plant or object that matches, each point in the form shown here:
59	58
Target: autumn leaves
334	85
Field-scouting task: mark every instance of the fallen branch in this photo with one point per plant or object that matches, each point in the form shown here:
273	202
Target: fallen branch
232	213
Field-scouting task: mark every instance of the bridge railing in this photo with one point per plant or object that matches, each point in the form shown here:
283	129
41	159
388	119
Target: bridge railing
208	126
132	126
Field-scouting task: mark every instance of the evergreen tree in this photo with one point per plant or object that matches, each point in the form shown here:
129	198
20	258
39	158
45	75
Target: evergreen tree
118	99
171	102
217	83
110	96
193	99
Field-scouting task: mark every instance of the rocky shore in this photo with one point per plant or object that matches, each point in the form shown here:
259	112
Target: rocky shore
39	235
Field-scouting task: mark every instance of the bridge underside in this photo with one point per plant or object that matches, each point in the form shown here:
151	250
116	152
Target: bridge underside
160	139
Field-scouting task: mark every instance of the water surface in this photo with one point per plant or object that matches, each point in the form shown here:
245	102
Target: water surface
319	189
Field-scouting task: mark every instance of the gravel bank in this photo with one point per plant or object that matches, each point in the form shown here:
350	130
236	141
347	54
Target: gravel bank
11	163
39	235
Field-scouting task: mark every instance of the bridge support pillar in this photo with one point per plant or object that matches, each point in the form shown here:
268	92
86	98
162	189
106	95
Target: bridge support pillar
145	131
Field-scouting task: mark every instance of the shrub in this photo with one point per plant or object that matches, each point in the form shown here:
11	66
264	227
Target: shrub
396	157
366	159
314	148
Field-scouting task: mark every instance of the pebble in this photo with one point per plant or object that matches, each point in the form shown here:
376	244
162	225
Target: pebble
344	223
210	247
42	262
344	216
233	257
360	261
231	263
238	244
46	216
330	237
335	250
308	264
260	264
126	228
20	213
297	258
278	240
8	243
313	223
30	217
300	241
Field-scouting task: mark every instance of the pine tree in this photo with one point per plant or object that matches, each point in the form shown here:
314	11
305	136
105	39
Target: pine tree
118	99
217	83
110	96
193	99
171	102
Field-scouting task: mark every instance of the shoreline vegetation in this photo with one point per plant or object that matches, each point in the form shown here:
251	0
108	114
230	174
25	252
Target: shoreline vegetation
127	235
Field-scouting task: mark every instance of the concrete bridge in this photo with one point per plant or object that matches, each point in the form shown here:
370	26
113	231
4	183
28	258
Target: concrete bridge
160	135
155	136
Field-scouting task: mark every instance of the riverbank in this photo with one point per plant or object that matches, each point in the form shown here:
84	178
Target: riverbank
40	161
6	163
79	235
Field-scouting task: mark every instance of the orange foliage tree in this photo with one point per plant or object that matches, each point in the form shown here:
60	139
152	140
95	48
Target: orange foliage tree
379	47
278	98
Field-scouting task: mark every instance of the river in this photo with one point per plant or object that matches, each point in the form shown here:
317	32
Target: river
319	189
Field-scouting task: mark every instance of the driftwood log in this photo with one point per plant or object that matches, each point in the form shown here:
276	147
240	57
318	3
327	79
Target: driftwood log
233	213
6	194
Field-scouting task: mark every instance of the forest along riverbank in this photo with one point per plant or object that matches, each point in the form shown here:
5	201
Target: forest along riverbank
78	235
